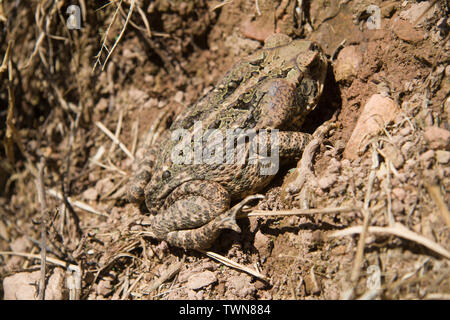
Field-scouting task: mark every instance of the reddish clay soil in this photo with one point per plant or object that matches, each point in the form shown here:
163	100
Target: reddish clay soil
54	103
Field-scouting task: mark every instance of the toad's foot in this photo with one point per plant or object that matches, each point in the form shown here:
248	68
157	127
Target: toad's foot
204	236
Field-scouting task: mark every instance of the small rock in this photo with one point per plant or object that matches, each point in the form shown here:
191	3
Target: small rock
397	206
21	286
312	284
394	155
241	286
334	166
150	103
90	194
327	181
406	31
438	138
3	231
345	164
104	185
408	149
179	96
405	131
138	95
258	29
426	156
200	280
388	10
21	244
378	111
347	64
262	244
104	287
442	157
416	10
399	193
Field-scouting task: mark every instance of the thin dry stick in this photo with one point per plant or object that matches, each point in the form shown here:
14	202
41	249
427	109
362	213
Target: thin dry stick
171	271
55	261
114	139
147	24
127	293
367	214
265	213
121	33
435	194
135	133
390	216
425	12
400	231
4	65
43	202
97	61
118	129
74	203
232	264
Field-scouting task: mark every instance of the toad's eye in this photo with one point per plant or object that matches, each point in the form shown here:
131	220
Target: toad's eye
166	174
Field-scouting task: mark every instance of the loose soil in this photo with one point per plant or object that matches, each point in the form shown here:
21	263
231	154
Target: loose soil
58	85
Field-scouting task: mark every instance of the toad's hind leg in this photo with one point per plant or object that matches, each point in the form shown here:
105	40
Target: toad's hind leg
204	236
139	180
194	214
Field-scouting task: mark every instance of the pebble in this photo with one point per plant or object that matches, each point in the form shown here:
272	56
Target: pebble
263	244
408	149
437	138
405	131
20	286
347	64
104	287
399	193
397	206
394	155
378	111
406	31
200	280
90	194
426	156
327	181
416	10
442	156
312	284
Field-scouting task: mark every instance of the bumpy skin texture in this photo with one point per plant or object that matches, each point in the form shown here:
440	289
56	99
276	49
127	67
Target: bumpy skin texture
273	88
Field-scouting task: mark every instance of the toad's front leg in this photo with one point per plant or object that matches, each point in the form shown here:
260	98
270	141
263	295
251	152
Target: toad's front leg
194	214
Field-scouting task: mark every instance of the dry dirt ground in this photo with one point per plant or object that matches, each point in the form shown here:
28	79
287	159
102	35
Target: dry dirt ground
59	90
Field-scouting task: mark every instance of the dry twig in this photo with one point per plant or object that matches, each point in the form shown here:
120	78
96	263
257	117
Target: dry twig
43	202
397	230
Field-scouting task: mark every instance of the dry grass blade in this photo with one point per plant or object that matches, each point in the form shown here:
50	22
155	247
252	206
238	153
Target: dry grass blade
55	261
171	271
295	212
2	12
232	264
127	293
78	204
4	65
435	194
115	140
12	134
43	202
120	34
397	230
